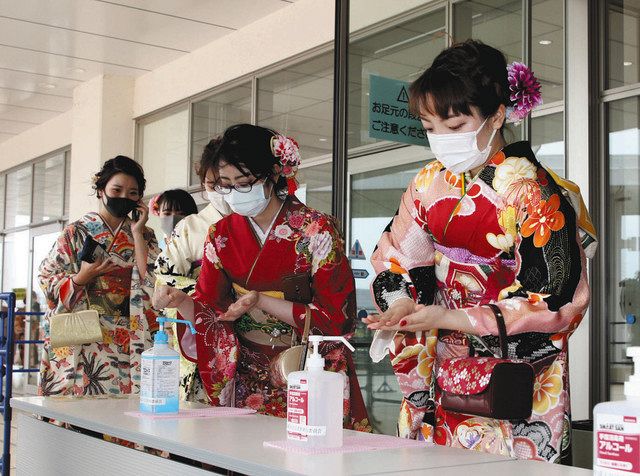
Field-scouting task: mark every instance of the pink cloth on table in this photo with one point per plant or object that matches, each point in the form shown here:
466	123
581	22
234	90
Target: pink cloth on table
214	412
351	444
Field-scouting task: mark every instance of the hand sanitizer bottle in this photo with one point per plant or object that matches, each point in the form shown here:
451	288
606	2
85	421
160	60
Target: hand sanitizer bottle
315	401
616	429
160	380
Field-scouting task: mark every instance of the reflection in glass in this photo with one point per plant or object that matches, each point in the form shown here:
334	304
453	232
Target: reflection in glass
623	254
402	52
165	151
315	187
48	193
375	196
298	102
622	57
497	23
213	115
15	273
18	207
42	245
547	47
547	141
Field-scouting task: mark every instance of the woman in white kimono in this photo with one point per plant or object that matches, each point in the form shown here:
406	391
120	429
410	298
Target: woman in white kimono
179	264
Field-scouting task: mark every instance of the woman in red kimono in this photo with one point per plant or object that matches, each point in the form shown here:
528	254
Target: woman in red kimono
484	224
242	319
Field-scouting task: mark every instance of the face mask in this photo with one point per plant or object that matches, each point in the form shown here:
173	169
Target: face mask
119	207
249	204
168	223
459	152
216	200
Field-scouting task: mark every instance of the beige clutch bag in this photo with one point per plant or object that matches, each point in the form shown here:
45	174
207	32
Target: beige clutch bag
75	328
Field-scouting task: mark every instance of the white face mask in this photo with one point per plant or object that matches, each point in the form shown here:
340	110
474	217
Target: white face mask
217	200
249	204
459	152
168	223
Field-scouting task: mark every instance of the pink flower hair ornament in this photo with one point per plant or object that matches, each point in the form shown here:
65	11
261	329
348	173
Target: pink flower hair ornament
287	151
154	208
524	91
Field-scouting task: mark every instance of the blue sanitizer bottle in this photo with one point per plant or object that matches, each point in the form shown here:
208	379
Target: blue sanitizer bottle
160	379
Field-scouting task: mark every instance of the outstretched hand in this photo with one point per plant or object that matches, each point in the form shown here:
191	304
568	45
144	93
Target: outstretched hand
241	306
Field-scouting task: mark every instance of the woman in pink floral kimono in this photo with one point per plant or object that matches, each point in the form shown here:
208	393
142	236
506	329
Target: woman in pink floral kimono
485	223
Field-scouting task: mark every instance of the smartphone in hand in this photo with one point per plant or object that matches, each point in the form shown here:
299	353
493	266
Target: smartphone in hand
135	215
92	251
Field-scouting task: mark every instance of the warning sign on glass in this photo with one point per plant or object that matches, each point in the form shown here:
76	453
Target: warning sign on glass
389	116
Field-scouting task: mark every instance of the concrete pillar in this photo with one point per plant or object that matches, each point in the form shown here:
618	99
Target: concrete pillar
102	127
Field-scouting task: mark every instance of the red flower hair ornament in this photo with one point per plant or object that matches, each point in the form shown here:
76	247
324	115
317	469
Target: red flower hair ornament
287	151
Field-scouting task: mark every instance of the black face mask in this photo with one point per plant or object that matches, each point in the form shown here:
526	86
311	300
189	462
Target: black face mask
120	207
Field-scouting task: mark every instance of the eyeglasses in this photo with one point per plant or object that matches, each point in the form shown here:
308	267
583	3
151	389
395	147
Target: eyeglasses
242	188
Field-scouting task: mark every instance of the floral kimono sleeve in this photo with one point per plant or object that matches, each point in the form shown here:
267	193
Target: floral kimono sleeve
404	256
333	307
56	270
153	250
216	346
551	292
173	266
211	298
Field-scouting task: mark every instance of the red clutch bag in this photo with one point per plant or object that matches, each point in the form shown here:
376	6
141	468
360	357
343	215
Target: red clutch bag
490	387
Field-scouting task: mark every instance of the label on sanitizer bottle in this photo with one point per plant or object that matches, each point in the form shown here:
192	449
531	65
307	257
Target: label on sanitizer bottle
297	410
617	444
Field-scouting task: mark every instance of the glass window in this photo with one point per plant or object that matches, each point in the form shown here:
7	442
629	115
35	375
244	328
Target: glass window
547	141
48	193
497	23
623	24
402	52
298	101
623	254
213	115
315	186
375	196
164	147
67	184
18	208
15	273
547	47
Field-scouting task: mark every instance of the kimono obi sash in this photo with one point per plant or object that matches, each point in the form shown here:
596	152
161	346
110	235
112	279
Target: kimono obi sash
260	327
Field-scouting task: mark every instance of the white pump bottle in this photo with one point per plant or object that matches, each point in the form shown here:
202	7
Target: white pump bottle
160	373
616	428
315	401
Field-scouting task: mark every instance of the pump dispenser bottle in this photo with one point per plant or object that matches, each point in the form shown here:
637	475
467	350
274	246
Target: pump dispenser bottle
315	401
616	428
160	375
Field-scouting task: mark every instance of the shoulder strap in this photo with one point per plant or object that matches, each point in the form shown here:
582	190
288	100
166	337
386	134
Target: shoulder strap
305	338
502	330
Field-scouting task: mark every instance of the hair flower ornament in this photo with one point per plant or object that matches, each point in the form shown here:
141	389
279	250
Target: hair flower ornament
287	150
154	208
524	92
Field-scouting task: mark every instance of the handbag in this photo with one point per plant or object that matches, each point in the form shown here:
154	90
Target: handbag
292	359
75	328
491	387
81	327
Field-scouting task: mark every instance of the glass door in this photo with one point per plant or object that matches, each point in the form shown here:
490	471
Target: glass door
377	182
41	240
